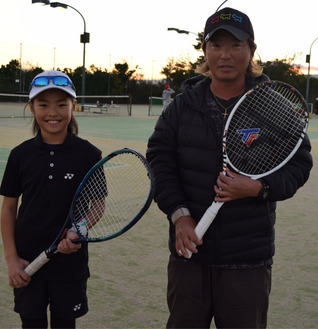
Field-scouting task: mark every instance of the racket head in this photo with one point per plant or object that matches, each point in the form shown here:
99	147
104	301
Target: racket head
113	196
265	129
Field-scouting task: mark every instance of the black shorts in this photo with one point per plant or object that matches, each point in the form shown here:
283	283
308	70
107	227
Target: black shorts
67	299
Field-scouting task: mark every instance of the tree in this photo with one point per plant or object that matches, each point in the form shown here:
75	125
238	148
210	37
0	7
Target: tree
123	80
123	74
9	77
97	81
177	72
285	70
198	47
11	74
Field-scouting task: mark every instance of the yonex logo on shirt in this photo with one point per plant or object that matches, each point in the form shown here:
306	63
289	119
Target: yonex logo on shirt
68	176
77	307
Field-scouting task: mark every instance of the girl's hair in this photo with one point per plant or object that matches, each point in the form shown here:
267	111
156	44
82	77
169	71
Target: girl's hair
253	70
72	126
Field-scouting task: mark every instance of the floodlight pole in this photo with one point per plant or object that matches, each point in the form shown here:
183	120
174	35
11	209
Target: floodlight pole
84	38
220	5
308	57
181	31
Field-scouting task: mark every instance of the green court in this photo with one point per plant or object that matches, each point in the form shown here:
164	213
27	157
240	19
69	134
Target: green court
128	274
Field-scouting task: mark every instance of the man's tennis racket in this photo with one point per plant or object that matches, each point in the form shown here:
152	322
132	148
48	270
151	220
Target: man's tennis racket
111	198
262	133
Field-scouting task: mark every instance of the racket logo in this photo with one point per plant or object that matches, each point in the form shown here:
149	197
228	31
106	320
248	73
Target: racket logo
249	135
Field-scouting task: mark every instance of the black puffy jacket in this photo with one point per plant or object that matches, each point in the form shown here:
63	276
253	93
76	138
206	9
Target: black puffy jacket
184	152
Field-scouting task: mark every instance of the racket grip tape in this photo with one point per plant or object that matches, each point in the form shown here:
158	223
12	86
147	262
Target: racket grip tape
205	222
36	264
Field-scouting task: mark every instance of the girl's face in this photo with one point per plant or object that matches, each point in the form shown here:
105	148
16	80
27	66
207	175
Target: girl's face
52	110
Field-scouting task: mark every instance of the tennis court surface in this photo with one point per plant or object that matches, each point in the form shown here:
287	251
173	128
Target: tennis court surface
128	274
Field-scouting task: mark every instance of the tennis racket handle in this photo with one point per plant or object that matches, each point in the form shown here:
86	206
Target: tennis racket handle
36	264
205	222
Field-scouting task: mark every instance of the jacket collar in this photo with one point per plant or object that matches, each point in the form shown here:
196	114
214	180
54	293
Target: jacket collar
194	89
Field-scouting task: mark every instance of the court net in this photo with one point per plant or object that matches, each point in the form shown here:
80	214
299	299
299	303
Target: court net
15	105
105	104
155	106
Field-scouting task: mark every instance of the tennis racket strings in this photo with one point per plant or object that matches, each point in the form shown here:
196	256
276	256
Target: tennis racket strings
112	196
262	133
268	126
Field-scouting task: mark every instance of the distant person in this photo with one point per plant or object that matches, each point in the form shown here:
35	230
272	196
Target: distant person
44	172
228	278
166	96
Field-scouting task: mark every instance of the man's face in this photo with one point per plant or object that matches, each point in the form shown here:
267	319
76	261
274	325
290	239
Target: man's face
228	58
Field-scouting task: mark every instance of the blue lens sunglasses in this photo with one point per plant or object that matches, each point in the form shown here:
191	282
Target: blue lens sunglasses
57	81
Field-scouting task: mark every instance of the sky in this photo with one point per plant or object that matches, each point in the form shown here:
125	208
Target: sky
135	31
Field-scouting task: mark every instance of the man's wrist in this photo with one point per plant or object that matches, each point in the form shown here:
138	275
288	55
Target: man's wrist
265	190
180	212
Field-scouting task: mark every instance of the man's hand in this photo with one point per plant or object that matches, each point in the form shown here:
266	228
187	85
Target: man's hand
234	186
185	236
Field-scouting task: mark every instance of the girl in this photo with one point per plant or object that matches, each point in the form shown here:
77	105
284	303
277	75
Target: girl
45	172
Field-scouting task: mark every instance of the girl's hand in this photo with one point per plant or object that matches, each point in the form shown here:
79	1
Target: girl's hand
66	246
17	277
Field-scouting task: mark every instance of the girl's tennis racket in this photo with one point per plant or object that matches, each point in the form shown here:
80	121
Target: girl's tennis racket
111	198
262	133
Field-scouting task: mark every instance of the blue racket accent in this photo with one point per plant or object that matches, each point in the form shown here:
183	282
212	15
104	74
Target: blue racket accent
113	195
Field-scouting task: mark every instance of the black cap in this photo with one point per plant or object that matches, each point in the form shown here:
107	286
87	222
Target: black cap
232	20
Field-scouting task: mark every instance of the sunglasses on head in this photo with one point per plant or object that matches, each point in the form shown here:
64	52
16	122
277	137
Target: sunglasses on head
57	81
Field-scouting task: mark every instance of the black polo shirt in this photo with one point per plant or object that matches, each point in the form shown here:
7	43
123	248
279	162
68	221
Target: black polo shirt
47	176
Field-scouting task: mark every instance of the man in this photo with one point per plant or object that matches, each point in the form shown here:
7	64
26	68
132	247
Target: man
228	278
166	96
